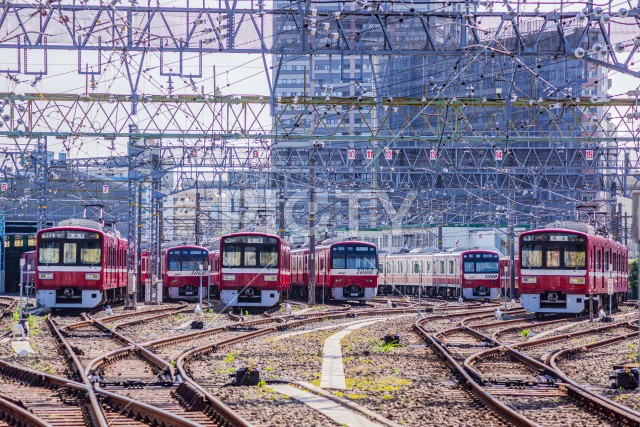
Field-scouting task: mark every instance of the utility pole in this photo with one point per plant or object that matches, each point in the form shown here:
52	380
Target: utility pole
512	255
198	224
241	208
281	203
133	152
154	224
312	227
40	179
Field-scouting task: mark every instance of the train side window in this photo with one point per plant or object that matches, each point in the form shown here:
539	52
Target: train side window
451	270
599	255
416	267
441	267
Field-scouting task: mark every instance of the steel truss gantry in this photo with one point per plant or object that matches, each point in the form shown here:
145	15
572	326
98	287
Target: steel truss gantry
222	137
304	28
391	143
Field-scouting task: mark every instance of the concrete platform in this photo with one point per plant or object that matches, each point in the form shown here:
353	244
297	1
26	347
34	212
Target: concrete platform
332	366
329	408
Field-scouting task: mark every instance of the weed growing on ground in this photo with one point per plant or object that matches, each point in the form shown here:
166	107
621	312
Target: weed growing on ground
385	346
356	396
231	356
525	333
633	351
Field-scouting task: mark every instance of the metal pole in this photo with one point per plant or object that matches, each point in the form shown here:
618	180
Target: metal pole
281	205
419	291
26	296
504	280
512	255
22	266
200	268
312	229
208	290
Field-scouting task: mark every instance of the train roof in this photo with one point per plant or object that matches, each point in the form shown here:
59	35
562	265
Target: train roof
101	230
571	226
185	245
334	243
428	251
569	231
255	233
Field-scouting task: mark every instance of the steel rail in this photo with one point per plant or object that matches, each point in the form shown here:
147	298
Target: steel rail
614	410
130	406
18	416
97	415
502	410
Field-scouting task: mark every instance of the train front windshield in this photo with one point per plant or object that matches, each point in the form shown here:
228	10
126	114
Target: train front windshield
187	259
353	257
68	247
480	263
553	251
250	252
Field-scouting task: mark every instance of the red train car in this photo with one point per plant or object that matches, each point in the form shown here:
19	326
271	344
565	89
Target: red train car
561	268
345	270
505	275
79	265
184	269
28	270
474	274
214	272
254	269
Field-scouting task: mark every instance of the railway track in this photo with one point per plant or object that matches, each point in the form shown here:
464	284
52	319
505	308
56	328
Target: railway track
107	408
523	390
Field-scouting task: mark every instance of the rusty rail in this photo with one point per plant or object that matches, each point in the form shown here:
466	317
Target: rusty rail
508	414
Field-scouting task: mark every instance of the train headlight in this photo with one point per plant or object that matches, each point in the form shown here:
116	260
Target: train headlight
228	277
338	280
45	276
270	277
92	276
576	280
529	279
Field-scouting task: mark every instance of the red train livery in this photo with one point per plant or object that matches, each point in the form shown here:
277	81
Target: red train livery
505	274
79	265
345	270
253	269
474	274
184	269
561	268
